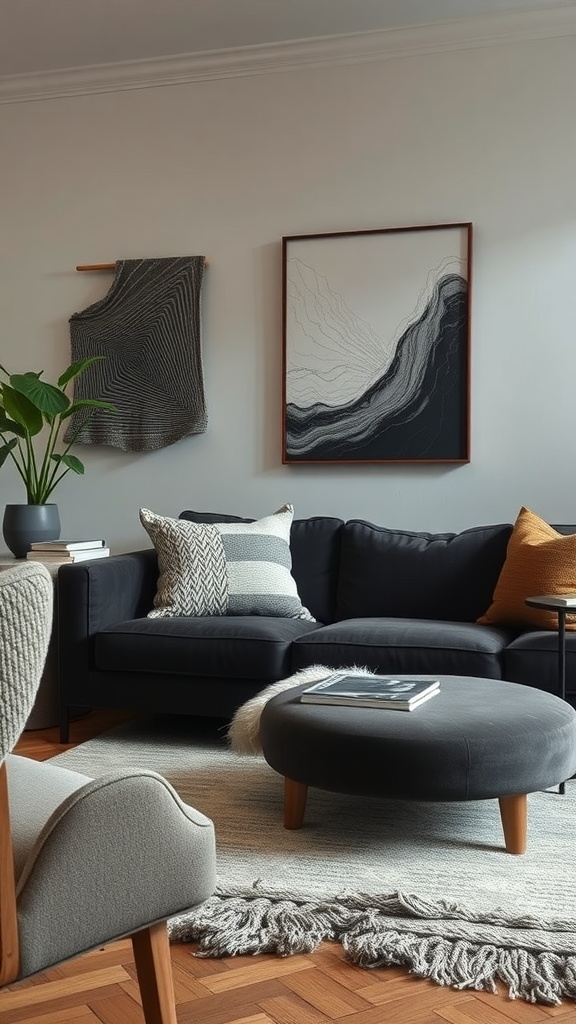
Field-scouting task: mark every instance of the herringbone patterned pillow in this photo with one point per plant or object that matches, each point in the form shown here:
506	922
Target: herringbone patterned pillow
224	568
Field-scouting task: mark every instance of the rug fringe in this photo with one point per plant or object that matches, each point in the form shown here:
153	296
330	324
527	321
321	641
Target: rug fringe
545	978
244	924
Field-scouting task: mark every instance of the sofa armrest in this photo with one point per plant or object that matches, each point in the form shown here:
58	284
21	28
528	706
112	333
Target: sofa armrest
91	596
104	591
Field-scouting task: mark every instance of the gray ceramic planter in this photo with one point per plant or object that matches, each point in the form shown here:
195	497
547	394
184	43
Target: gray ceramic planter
24	524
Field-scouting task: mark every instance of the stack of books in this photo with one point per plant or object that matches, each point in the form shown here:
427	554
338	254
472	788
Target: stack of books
363	691
67	550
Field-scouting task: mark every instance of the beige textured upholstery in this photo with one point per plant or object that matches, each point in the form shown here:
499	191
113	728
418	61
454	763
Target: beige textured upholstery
26	597
85	861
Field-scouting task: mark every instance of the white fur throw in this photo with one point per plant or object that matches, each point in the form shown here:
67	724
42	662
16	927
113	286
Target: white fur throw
244	731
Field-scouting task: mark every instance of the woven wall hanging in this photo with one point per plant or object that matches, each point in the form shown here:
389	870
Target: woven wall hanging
148	326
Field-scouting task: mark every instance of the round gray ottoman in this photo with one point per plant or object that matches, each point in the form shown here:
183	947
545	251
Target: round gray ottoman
477	739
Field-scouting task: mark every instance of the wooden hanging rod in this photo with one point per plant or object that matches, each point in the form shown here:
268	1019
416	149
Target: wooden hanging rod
105	266
96	266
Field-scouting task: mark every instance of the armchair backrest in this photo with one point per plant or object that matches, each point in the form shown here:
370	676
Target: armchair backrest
26	597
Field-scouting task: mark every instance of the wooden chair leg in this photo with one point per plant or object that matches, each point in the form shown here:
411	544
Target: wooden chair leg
295	794
514	815
154	970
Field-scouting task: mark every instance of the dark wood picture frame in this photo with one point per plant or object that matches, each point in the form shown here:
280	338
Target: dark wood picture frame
376	345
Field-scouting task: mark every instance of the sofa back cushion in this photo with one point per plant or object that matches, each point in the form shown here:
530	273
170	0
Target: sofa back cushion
398	573
315	550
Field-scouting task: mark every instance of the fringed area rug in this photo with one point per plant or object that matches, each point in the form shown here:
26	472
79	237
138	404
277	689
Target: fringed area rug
426	886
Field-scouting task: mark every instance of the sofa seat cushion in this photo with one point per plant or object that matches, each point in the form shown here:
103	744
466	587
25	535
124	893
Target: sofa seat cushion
532	659
393	645
255	647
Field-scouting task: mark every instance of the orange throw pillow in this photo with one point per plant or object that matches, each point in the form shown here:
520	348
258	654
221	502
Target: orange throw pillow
539	560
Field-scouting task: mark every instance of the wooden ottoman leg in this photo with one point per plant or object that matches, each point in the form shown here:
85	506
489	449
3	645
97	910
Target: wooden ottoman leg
514	815
295	794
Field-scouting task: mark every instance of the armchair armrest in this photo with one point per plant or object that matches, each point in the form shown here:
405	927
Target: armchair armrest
96	865
91	596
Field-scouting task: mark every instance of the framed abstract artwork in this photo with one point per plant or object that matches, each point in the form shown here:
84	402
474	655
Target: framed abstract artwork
376	345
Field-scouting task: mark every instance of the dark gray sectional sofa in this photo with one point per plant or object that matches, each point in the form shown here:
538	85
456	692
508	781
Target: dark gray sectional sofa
395	601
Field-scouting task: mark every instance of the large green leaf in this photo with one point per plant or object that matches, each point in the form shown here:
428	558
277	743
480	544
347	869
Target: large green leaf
8	426
71	462
27	405
6	449
75	369
46	397
21	409
87	403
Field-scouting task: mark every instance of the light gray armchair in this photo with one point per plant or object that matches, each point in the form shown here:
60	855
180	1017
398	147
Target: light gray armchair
84	861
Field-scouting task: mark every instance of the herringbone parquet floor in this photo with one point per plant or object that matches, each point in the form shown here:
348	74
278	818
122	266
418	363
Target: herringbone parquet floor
99	988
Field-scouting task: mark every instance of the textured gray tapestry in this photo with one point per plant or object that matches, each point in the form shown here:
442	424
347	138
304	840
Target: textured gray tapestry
424	885
148	327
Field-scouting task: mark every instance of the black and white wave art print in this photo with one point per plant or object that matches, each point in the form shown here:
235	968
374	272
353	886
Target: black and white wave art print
377	345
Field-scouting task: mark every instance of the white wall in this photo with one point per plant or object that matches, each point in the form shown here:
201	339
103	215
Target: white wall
227	167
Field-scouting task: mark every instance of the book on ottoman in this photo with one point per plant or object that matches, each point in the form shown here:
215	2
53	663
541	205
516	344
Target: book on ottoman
371	691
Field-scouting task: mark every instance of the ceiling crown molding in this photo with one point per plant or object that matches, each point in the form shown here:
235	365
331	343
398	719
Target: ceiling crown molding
307	54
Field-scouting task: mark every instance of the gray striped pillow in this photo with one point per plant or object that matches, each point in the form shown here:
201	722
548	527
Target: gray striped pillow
224	568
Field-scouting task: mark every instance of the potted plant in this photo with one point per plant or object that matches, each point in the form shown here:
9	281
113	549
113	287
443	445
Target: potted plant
33	415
